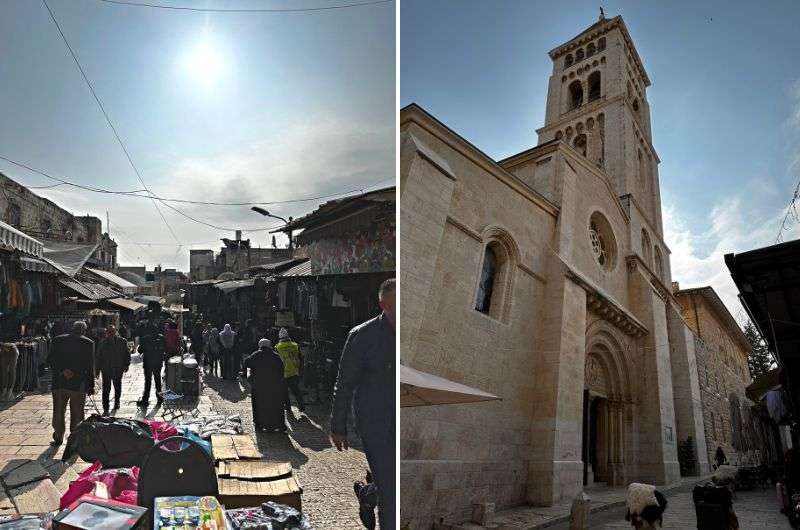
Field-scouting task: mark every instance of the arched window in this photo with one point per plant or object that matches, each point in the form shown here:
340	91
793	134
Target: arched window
601	238
594	86
590	50
636	106
646	247
642	172
559	135
568	60
483	302
575	95
496	276
659	263
601	44
579	55
580	144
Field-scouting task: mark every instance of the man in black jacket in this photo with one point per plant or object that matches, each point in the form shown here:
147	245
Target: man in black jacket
151	346
367	371
113	360
72	363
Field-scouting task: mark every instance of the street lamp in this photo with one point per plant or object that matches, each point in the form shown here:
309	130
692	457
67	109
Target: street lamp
265	213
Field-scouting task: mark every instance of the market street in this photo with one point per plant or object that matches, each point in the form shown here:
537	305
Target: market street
325	475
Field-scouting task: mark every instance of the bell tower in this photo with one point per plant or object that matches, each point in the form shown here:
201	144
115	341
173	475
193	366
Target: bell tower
597	103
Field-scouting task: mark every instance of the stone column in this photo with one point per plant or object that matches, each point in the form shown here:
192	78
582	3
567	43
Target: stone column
657	451
555	470
686	389
427	185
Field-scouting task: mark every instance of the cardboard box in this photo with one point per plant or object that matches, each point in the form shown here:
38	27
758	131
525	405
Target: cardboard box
238	493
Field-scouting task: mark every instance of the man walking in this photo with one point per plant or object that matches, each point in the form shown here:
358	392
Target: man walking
367	371
113	360
290	355
72	363
152	350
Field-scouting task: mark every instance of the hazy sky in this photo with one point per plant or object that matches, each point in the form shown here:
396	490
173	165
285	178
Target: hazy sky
212	107
725	103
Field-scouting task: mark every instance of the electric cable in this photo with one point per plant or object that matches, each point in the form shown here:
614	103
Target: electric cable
108	119
244	10
137	193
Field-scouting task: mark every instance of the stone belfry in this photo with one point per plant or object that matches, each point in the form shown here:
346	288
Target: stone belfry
597	103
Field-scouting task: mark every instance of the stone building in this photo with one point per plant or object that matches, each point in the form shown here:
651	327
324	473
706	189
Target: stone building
721	349
544	278
46	221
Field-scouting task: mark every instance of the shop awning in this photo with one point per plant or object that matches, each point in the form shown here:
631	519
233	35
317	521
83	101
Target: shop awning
122	283
129	305
36	265
303	269
92	291
230	286
420	388
19	240
68	257
763	384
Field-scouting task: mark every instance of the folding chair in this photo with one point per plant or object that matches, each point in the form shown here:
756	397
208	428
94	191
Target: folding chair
177	405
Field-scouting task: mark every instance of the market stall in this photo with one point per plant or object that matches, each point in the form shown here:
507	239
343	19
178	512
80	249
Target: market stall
194	472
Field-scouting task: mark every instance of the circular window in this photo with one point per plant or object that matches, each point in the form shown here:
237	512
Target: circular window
601	239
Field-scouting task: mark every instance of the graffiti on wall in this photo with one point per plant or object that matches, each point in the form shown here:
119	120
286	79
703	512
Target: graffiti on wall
368	250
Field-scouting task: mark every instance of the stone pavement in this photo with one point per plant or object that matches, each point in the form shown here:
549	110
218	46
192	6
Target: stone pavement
757	509
325	474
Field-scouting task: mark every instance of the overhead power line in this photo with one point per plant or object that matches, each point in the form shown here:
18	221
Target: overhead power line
253	10
138	193
790	210
105	114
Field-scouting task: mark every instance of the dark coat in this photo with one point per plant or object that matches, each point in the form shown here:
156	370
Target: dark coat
75	353
268	388
367	374
151	346
113	356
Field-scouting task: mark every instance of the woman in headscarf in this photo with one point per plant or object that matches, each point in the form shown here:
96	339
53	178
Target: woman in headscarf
213	350
227	339
268	388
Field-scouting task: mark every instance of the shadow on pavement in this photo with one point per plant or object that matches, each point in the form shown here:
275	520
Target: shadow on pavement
228	390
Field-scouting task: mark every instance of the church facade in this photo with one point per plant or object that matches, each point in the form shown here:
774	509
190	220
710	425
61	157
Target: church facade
544	278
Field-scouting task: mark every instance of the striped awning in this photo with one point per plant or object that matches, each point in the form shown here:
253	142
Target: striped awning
92	291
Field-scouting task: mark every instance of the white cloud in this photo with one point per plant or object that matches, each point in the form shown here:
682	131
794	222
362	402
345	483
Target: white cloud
327	156
697	257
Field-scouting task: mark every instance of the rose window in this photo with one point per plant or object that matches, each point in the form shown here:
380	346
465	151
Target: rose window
598	245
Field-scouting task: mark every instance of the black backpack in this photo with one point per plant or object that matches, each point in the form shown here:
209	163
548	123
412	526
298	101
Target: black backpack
114	442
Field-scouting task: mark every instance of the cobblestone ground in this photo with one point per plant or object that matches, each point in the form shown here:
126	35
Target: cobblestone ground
325	474
757	509
26	432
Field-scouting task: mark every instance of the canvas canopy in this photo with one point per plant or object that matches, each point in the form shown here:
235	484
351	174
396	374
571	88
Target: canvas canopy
420	388
68	257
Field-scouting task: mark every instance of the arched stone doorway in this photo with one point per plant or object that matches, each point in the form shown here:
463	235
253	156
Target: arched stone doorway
606	402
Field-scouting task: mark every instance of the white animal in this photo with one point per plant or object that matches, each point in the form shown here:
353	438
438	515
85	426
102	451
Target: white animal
646	506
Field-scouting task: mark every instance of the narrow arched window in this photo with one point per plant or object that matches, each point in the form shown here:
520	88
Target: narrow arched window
575	95
590	50
601	44
646	247
568	60
594	86
580	144
659	263
483	302
579	55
